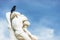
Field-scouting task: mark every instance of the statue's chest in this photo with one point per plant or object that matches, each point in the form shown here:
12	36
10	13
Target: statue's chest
17	21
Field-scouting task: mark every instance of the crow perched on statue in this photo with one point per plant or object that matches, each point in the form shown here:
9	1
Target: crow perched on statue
13	9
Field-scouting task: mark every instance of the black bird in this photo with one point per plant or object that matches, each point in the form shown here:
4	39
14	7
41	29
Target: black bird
13	9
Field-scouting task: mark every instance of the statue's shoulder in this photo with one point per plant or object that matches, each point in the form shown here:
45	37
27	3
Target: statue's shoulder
20	15
17	13
24	17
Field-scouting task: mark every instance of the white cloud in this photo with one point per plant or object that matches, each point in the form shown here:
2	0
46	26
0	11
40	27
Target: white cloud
2	30
43	32
47	34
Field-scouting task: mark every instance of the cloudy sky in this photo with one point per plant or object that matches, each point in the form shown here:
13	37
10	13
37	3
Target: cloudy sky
44	16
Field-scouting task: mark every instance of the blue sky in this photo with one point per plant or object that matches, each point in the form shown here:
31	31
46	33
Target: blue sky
44	16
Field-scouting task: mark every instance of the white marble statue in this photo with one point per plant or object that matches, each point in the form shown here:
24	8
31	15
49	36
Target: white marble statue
18	27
